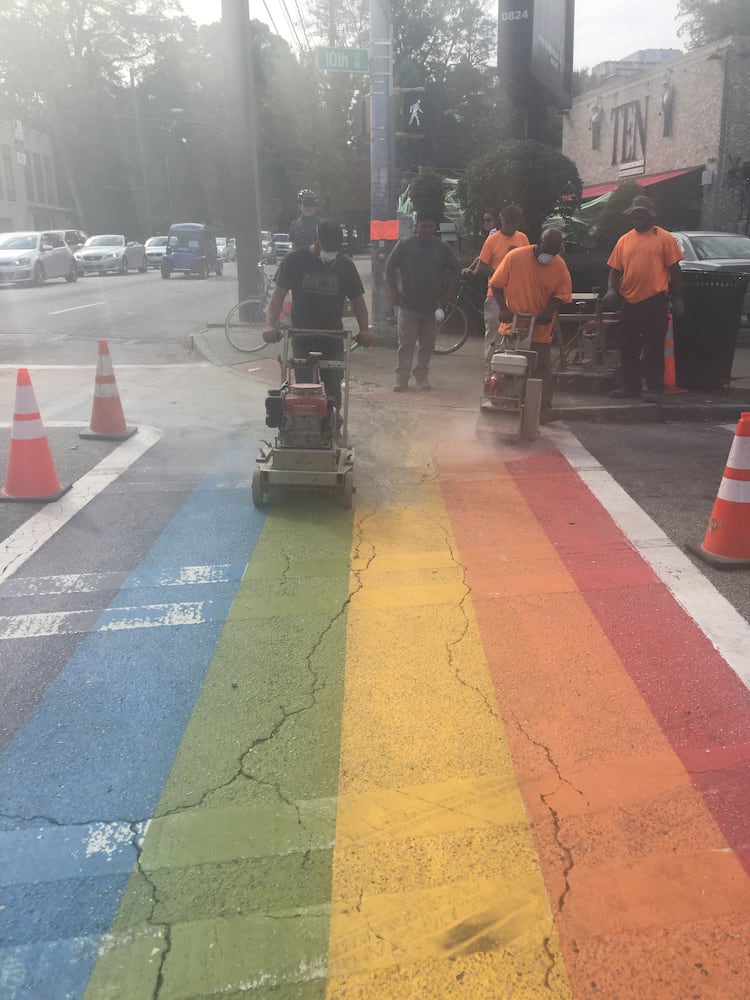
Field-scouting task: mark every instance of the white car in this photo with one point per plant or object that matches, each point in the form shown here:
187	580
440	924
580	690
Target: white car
221	247
35	256
111	253
155	247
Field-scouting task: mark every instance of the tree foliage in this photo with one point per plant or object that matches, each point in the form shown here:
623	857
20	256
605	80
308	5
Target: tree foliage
522	172
427	193
705	21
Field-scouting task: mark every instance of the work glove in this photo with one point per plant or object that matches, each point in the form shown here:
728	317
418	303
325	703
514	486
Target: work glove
271	335
364	338
610	300
678	305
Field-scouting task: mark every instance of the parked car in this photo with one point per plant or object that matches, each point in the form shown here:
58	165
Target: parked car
155	247
74	238
281	245
266	246
707	251
35	256
231	249
111	252
221	247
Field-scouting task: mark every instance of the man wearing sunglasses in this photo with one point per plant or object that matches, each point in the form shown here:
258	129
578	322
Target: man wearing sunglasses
496	246
535	280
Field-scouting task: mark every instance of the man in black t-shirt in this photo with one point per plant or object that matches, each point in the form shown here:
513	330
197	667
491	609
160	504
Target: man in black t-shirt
423	274
320	278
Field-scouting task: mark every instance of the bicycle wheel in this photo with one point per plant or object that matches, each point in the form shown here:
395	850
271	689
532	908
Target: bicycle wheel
453	331
244	326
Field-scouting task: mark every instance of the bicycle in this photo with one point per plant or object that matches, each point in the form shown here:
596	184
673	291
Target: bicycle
465	308
245	322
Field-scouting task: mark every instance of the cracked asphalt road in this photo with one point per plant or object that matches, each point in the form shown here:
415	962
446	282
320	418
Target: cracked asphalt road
445	745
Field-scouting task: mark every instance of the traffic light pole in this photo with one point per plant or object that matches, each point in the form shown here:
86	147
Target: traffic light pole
239	96
382	152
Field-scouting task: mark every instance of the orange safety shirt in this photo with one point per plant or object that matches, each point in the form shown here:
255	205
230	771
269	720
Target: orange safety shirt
495	248
528	286
644	259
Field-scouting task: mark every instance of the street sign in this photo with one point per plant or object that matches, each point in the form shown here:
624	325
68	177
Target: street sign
343	60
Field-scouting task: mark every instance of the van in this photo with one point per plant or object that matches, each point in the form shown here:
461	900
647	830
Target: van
191	249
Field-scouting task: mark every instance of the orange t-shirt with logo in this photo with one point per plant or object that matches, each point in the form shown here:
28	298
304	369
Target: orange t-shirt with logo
495	248
644	259
528	286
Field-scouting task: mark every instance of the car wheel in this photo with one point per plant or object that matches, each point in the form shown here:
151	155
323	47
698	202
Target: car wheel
72	274
124	265
40	275
202	271
166	272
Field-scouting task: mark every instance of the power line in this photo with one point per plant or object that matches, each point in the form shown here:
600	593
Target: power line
302	22
270	18
290	22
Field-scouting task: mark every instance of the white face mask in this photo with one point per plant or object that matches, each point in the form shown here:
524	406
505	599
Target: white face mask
328	255
545	258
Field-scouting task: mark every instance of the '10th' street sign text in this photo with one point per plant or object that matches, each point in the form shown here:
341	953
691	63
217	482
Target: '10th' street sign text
343	60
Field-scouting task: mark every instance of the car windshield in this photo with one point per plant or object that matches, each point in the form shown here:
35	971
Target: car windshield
721	247
220	241
27	241
157	241
105	241
281	237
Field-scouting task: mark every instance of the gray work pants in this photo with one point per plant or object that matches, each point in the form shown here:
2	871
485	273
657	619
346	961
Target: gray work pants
416	330
491	324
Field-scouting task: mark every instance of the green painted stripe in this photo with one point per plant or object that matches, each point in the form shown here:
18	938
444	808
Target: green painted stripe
233	887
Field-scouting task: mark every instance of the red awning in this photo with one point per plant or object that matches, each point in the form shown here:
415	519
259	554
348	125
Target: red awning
594	190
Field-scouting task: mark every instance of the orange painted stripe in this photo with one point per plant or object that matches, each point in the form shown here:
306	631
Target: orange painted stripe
649	901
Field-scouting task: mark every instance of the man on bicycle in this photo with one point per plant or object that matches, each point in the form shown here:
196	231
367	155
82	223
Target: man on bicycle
320	277
302	229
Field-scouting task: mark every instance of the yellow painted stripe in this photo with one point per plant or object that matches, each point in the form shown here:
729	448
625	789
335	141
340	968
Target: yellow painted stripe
437	887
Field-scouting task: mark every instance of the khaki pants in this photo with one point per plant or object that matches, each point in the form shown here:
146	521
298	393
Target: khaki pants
416	331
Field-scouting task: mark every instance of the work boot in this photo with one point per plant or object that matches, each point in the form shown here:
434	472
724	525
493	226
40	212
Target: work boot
623	393
651	397
423	383
401	386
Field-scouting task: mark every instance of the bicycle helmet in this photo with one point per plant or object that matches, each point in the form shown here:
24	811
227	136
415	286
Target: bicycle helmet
307	197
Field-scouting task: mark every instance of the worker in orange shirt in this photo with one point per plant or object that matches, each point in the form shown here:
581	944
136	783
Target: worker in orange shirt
643	266
535	280
495	247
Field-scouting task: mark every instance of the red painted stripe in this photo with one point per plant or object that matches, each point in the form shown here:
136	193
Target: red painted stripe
105	379
741	475
27	416
701	705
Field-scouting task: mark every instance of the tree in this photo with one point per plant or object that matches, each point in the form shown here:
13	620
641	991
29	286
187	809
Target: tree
427	193
522	172
705	21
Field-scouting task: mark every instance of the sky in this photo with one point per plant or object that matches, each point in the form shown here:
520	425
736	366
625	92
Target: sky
605	29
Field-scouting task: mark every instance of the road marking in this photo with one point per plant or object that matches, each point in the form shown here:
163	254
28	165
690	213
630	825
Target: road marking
78	368
30	537
115	619
711	611
89	305
93	583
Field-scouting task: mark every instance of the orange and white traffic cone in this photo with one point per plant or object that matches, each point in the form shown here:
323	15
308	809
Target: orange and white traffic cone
107	418
670	372
31	472
727	540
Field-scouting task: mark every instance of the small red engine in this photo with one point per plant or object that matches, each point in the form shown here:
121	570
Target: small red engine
303	400
493	384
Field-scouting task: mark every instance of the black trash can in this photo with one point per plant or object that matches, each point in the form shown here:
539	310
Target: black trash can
705	336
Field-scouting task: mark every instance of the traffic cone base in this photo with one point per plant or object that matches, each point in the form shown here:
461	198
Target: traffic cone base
31	472
107	419
727	540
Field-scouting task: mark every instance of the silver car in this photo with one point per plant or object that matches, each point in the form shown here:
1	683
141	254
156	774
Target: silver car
155	247
707	251
32	257
111	253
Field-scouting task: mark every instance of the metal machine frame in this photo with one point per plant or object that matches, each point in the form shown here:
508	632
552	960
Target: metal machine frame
517	413
330	468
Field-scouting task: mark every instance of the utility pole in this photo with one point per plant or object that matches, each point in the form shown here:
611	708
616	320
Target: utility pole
382	150
242	148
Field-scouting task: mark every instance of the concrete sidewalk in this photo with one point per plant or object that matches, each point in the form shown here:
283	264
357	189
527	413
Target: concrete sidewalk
457	379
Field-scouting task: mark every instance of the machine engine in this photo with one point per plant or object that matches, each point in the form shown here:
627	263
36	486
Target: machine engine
304	416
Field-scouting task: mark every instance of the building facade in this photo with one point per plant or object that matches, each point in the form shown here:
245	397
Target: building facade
681	130
29	192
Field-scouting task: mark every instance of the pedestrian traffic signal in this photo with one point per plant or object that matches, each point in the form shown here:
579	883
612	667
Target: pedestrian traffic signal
419	111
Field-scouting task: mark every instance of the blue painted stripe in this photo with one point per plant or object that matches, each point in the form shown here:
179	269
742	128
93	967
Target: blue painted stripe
100	745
